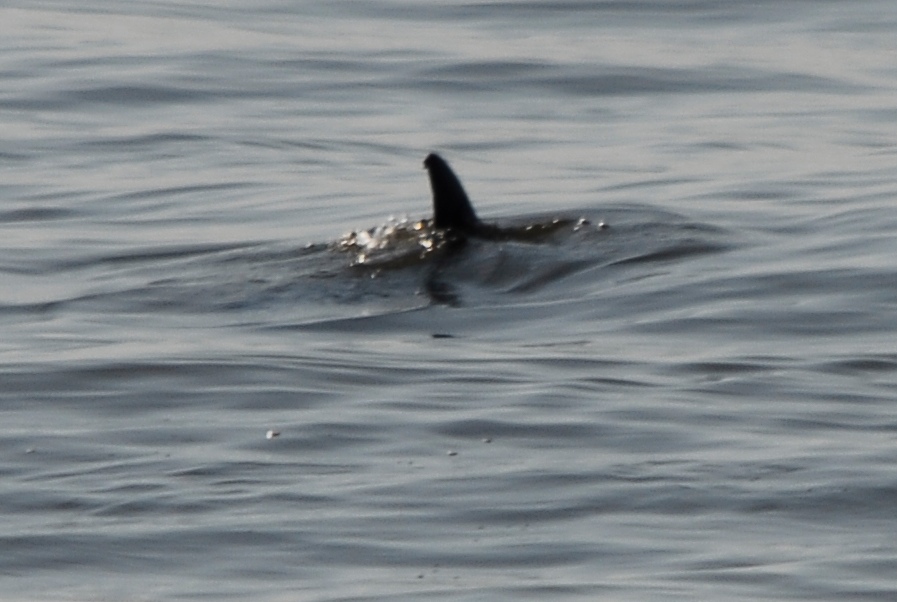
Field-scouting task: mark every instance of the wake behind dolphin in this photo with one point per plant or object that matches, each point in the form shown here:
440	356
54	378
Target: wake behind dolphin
451	258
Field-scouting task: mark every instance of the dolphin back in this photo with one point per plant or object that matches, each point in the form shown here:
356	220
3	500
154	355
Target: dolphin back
451	207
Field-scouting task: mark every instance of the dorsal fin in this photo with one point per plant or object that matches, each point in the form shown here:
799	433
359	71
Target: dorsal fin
451	207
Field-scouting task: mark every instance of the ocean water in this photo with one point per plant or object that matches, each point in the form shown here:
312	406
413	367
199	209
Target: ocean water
219	378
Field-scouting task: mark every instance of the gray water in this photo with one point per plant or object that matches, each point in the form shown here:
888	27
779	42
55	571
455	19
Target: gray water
205	395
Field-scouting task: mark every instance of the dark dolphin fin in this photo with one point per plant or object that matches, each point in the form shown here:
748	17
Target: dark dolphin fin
451	207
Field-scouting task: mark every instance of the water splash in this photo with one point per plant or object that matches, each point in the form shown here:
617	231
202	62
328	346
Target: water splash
397	241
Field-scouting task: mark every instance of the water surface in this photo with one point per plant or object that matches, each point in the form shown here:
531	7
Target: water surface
204	394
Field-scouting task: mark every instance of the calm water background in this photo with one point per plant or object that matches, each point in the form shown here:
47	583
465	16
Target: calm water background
699	403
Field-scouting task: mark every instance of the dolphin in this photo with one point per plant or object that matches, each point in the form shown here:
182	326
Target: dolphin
453	212
454	222
451	205
452	209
